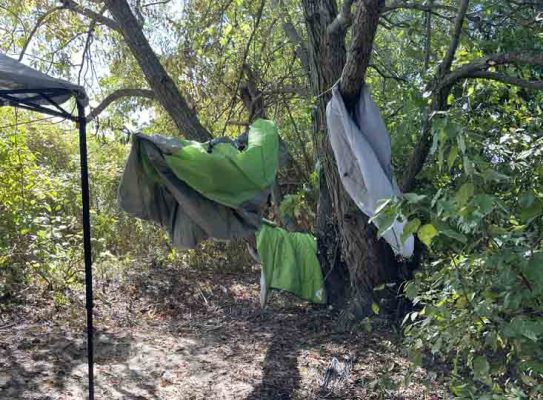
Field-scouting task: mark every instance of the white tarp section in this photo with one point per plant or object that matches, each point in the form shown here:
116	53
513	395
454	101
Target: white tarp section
363	156
17	76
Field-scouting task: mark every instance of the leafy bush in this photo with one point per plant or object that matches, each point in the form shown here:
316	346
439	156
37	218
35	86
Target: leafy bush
40	213
479	297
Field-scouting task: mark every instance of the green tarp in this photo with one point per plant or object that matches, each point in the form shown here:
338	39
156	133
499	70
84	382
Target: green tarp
201	191
213	190
227	175
290	263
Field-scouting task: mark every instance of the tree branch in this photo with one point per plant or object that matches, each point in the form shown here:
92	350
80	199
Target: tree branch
244	59
509	80
343	19
428	38
87	12
474	69
365	20
384	75
88	42
483	63
117	95
399	4
163	86
294	38
40	21
457	32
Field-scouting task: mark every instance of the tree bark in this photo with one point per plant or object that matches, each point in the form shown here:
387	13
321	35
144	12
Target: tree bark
354	261
166	91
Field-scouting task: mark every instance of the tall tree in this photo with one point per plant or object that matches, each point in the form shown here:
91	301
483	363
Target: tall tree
354	259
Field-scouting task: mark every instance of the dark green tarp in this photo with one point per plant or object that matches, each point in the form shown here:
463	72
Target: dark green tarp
198	191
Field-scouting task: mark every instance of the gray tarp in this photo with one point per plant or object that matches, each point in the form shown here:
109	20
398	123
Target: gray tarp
17	76
362	150
189	216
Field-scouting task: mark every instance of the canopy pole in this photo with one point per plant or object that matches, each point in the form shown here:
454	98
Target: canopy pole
82	122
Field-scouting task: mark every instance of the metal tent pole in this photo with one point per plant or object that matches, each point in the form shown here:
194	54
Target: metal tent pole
86	240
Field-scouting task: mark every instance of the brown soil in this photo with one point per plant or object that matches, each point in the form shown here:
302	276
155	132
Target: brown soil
168	333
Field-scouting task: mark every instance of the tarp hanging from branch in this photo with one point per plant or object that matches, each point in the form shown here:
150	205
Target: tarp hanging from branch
201	190
289	263
362	150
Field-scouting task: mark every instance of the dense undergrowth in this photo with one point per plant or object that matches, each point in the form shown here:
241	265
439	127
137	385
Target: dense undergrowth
478	297
40	208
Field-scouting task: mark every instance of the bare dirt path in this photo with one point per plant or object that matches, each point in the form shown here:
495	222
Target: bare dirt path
180	334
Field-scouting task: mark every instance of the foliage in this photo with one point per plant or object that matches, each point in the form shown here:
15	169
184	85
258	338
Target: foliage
39	228
477	207
298	207
478	297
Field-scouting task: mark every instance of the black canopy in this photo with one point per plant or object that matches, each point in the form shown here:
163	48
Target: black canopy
25	87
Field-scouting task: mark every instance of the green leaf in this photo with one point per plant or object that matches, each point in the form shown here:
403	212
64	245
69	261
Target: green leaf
415	356
453	153
532	211
379	288
410	228
526	199
452	130
413	198
468	167
426	233
385	222
464	193
411	290
484	203
491	175
481	368
446	230
382	204
375	308
461	143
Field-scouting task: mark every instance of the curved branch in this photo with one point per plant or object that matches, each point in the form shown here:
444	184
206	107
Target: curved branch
474	69
163	85
117	95
343	19
40	21
509	80
483	63
398	4
87	12
384	75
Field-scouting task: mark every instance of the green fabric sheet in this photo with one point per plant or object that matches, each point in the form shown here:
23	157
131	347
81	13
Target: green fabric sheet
290	262
226	175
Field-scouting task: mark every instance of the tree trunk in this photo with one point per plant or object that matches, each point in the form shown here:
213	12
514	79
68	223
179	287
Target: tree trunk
348	245
162	84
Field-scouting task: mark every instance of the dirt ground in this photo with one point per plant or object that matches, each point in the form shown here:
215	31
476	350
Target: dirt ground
166	333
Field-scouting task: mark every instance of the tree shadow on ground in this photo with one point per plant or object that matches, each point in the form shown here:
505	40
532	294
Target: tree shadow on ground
173	293
280	374
208	305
